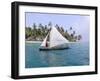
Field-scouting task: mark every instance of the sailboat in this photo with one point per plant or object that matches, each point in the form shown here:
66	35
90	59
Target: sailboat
54	41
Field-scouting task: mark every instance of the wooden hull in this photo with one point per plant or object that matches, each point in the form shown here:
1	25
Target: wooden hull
53	48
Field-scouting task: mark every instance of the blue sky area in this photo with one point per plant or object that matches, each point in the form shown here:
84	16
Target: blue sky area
79	23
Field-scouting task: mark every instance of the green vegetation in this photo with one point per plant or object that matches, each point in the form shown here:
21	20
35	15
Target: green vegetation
39	32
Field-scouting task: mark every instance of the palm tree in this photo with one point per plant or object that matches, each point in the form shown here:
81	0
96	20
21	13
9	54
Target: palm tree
40	25
34	31
71	28
28	32
50	24
74	32
34	26
76	37
56	25
79	37
62	30
58	28
46	29
72	35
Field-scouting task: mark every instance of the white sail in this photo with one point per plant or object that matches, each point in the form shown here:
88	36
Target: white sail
56	38
44	41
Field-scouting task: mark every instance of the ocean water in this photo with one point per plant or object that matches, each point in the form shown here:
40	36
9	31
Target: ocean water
77	55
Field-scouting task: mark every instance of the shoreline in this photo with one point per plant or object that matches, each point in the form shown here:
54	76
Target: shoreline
42	41
33	41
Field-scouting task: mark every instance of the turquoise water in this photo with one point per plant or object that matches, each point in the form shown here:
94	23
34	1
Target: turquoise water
77	55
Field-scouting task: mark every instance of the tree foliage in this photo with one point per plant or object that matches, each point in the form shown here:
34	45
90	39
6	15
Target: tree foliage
39	32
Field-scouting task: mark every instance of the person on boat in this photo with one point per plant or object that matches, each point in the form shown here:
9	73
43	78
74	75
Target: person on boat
46	44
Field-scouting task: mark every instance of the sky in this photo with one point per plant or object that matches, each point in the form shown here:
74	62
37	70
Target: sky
79	23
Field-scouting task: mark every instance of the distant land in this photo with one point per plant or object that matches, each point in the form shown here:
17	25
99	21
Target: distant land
39	31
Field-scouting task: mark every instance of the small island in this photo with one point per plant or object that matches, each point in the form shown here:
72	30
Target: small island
39	31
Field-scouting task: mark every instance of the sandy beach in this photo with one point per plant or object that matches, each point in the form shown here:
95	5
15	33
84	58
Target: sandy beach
33	41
